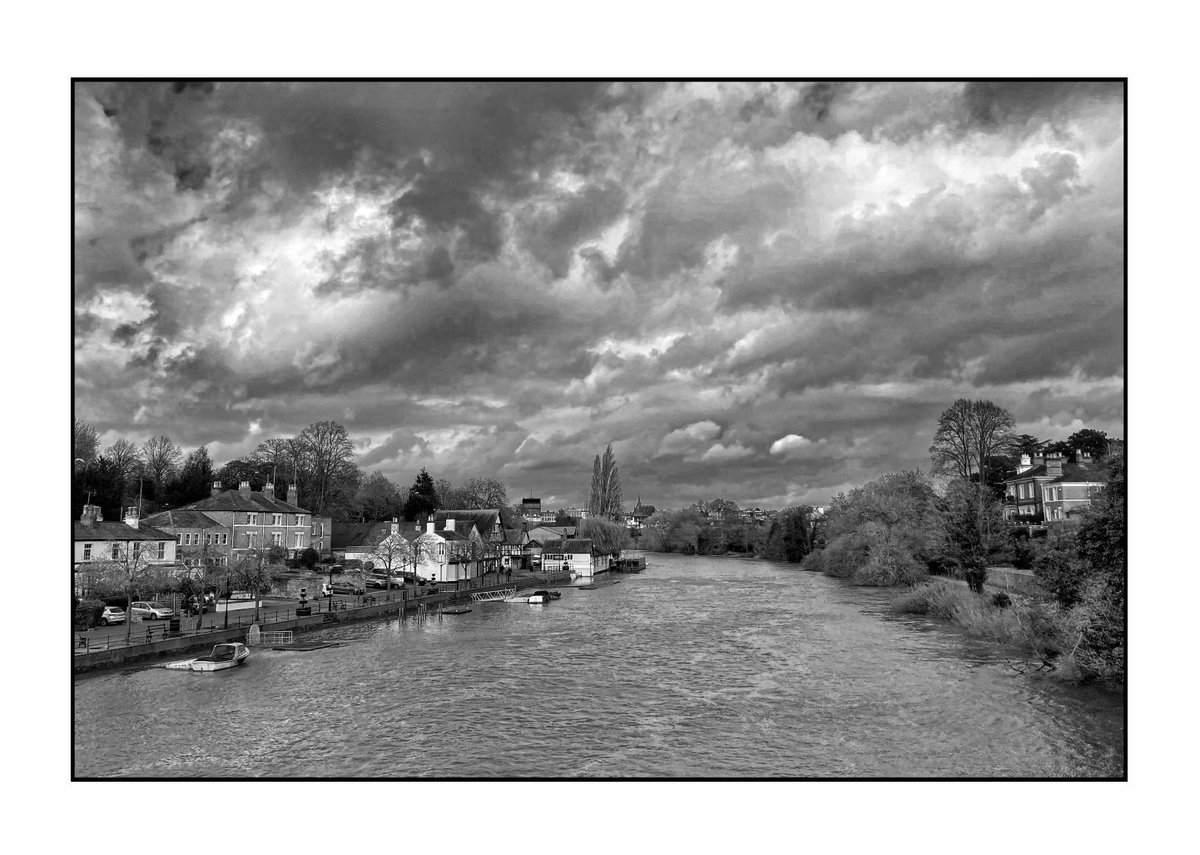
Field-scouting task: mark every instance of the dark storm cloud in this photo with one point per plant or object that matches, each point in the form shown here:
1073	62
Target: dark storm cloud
811	268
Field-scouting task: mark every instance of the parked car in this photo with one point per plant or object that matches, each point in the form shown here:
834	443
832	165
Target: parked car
112	614
376	581
340	588
150	611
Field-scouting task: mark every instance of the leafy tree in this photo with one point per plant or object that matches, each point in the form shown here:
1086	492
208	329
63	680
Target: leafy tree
605	499
969	540
233	473
131	570
790	535
309	558
608	538
1094	442
422	497
1025	444
378	498
104	485
193	481
561	517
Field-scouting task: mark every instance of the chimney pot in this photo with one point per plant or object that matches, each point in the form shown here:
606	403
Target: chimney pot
244	487
216	488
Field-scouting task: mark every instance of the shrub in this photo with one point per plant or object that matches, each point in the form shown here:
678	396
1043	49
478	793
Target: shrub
813	561
87	613
1001	600
309	558
889	564
843	555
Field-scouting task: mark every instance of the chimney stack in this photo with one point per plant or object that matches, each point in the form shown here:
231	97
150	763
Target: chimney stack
1026	464
244	487
131	516
449	525
91	515
269	489
293	495
216	488
1054	465
395	525
429	527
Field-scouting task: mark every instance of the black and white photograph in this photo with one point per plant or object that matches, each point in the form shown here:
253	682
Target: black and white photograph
598	428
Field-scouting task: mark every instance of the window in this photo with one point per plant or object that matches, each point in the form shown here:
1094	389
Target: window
116	551
225	537
179	538
251	519
137	549
441	550
299	519
87	552
276	519
277	538
162	550
1060	494
299	540
187	539
250	538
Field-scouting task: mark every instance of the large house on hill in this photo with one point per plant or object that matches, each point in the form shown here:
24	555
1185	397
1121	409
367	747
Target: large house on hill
1052	488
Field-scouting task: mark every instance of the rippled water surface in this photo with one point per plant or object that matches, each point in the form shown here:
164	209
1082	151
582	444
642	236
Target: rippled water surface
698	666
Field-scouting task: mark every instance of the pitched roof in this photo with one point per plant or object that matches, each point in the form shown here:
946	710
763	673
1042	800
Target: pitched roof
513	536
485	520
116	531
236	500
181	519
542	532
359	534
573	545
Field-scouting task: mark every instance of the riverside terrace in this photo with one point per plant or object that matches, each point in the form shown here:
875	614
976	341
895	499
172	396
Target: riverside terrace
153	639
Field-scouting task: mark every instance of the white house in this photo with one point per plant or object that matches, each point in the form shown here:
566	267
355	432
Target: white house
450	555
98	542
574	555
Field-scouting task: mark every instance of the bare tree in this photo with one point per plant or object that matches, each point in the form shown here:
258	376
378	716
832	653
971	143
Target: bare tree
84	441
125	457
162	457
327	451
131	566
477	493
953	446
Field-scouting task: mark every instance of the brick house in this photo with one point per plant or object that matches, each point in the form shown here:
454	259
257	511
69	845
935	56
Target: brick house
1050	488
259	521
200	540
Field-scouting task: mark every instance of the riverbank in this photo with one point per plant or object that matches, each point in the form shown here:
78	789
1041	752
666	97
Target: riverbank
1022	617
170	647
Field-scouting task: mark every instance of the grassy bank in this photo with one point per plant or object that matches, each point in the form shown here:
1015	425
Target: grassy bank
1048	634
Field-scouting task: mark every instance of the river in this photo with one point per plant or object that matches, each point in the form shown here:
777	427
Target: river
699	666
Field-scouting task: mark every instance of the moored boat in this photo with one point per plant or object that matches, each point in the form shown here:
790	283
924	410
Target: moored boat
223	656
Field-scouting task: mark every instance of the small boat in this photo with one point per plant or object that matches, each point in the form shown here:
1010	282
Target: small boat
549	595
223	656
535	599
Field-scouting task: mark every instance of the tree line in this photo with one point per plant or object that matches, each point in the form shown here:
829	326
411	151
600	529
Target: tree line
319	460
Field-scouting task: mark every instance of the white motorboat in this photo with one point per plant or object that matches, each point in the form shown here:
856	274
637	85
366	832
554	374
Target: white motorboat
536	599
223	656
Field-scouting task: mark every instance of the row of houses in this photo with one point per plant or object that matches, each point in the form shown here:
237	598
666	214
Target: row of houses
219	531
462	545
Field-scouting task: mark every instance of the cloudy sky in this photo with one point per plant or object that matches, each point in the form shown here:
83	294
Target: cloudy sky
763	292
